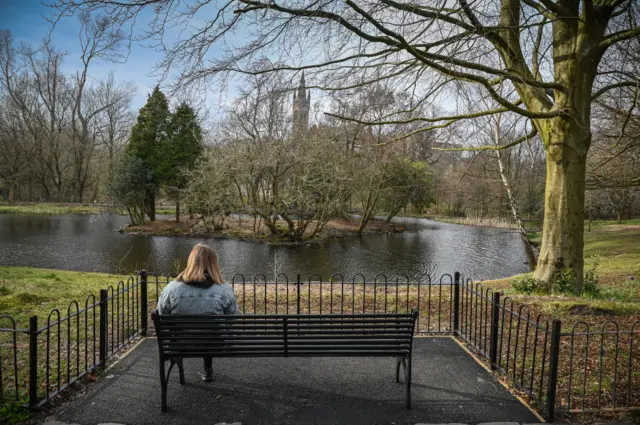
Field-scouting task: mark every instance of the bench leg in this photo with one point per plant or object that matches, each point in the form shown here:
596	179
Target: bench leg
181	370
400	362
163	387
408	379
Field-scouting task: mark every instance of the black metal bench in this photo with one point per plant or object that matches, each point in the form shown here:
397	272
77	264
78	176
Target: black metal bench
357	335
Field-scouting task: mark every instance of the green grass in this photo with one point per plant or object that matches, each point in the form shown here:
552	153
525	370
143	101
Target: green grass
26	291
614	248
603	223
51	208
479	222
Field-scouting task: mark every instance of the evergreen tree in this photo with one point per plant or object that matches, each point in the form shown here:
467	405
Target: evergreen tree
148	139
183	148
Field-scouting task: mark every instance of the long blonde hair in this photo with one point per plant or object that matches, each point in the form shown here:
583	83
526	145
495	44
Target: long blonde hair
202	266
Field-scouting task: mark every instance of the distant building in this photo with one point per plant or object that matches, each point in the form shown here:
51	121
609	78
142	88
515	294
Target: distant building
301	108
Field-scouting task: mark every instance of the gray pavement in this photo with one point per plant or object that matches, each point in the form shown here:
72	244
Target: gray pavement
448	387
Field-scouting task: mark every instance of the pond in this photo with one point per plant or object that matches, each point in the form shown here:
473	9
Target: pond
93	243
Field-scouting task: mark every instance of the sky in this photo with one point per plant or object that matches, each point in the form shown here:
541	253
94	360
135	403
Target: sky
26	21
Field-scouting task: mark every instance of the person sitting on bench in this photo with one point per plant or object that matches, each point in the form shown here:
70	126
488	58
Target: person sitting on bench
199	289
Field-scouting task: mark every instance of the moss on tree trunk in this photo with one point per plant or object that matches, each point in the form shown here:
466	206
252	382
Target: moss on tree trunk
563	228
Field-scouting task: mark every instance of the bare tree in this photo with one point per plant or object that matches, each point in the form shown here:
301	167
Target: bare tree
54	125
16	148
34	84
556	57
499	136
116	119
98	41
614	167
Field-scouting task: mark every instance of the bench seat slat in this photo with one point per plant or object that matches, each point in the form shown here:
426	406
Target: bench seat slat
333	350
381	317
247	345
239	337
326	322
295	331
297	325
290	343
281	353
288	316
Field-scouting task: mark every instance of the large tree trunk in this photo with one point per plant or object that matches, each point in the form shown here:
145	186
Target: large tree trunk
152	209
563	229
151	206
12	192
567	137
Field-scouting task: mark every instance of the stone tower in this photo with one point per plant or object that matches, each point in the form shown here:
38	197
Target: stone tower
301	107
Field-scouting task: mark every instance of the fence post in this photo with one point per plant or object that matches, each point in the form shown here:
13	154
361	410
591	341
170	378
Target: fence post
104	329
495	321
144	303
553	369
33	362
456	303
298	283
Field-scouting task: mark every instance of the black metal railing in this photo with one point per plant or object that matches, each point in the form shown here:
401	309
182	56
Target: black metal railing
44	361
514	343
580	370
314	295
603	371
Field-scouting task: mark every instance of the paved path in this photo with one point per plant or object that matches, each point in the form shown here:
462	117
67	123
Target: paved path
448	387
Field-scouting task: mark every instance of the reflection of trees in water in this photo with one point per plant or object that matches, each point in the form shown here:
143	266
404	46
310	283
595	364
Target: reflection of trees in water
435	248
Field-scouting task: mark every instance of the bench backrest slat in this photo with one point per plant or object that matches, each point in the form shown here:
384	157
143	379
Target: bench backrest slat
285	335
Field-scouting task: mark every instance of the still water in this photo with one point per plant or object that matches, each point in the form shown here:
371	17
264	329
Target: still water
93	243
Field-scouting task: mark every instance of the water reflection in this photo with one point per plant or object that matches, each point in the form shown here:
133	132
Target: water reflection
92	243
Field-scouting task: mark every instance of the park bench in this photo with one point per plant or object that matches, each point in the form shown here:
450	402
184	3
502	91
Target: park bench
357	335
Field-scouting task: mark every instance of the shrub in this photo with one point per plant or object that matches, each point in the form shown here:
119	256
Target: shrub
131	185
564	282
14	412
591	281
528	285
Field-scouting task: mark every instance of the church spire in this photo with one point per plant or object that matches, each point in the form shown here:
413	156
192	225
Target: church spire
302	88
301	106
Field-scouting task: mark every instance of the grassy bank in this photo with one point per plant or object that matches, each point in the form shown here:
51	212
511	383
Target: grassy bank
26	291
502	223
478	222
614	250
53	208
48	208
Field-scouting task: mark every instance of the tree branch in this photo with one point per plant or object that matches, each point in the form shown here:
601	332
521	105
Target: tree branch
617	37
605	89
522	139
420	119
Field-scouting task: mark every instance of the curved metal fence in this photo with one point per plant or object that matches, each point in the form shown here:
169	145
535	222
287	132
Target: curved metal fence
578	369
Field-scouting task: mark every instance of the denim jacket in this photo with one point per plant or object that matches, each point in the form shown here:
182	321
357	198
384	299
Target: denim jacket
181	298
